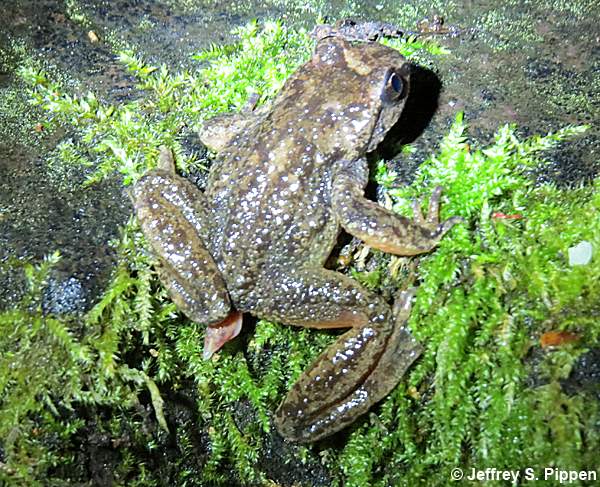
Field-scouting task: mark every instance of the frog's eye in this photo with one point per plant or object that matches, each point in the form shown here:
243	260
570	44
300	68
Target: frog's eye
394	87
396	83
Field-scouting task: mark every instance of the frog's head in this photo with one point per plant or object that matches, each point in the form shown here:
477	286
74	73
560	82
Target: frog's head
383	79
358	93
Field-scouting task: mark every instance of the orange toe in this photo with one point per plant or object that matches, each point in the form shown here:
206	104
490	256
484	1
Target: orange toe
220	333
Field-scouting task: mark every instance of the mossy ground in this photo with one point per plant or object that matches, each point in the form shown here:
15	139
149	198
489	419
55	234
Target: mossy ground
128	377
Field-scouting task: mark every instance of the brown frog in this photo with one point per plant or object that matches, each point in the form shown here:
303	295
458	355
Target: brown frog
288	178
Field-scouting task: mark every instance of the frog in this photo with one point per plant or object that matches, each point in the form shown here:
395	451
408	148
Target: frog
288	177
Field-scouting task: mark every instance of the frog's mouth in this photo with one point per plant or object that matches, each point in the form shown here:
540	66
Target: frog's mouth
377	135
383	129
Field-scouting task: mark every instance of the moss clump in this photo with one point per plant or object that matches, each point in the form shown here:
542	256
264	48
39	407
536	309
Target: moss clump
51	365
485	393
487	294
125	138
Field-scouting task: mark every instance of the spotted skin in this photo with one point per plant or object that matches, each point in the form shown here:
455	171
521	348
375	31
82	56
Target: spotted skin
288	178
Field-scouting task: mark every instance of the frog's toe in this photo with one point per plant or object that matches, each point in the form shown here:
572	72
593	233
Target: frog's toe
432	222
433	213
447	225
403	304
220	333
417	213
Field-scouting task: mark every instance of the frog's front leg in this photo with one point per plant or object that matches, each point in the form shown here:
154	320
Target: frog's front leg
218	132
175	220
378	227
359	369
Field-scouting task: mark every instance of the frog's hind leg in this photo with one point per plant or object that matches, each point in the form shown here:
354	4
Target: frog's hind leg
174	218
359	369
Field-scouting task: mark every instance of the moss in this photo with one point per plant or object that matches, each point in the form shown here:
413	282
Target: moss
485	393
53	364
76	13
127	136
18	122
480	336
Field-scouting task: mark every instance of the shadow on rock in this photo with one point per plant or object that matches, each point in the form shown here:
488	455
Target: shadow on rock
421	105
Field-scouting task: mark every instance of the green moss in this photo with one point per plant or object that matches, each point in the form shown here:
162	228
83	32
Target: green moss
480	335
50	365
484	393
76	13
18	122
126	137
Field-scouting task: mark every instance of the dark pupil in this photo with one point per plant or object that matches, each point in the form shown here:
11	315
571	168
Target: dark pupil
396	83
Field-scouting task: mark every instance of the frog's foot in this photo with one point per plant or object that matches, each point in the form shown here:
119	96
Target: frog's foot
432	222
220	333
355	372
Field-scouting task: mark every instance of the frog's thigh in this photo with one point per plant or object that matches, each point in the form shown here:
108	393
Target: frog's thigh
173	218
378	227
358	369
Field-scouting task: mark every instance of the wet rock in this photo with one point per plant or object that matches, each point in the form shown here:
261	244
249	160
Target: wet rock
64	296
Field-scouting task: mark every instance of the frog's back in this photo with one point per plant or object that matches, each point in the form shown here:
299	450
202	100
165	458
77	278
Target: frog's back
270	192
270	198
